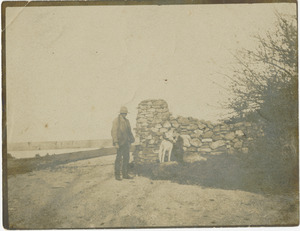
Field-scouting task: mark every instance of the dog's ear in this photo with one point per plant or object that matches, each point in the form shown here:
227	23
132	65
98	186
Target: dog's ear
175	138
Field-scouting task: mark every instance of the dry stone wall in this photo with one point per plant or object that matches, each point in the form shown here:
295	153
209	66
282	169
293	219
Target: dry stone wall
199	136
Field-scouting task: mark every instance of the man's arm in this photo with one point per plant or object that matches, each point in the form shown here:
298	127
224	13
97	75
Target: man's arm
131	137
114	132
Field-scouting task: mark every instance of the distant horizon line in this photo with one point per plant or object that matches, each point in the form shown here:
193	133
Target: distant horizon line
52	141
43	145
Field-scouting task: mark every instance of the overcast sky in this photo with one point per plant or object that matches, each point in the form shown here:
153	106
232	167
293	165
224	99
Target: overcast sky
69	69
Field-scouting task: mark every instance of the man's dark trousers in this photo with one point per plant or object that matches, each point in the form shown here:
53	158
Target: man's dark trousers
122	153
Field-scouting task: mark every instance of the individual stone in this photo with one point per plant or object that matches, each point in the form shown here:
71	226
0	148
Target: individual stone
201	126
149	115
229	136
143	107
238	144
142	120
216	153
217	129
206	140
204	150
248	124
158	126
160	102
217	144
163	110
175	124
245	150
192	149
193	136
163	130
209	124
207	129
167	124
217	137
224	127
238	124
172	118
165	116
235	140
239	133
193	157
154	129
151	142
198	132
137	140
205	145
192	127
208	134
157	120
183	120
230	151
149	137
186	140
195	142
151	110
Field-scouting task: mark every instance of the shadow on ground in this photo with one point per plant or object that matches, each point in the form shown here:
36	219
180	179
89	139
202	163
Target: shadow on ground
230	172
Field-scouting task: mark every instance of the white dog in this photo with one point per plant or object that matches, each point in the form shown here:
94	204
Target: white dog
166	146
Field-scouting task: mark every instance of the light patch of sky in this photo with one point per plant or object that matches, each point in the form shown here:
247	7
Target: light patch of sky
71	68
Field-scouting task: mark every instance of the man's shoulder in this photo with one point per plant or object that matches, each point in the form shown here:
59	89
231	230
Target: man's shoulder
116	120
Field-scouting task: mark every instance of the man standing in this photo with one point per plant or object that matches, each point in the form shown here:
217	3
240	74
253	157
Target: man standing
122	138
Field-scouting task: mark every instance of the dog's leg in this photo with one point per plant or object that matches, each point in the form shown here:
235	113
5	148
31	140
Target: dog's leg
170	152
164	154
160	153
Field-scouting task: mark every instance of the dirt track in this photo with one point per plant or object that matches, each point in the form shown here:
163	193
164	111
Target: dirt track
84	194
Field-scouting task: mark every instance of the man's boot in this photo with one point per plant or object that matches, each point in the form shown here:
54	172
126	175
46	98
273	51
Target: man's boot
118	177
127	177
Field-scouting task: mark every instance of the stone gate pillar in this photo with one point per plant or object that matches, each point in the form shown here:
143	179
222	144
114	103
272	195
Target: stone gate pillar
151	124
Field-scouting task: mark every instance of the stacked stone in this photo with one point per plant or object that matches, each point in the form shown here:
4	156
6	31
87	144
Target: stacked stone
191	131
214	139
151	123
199	136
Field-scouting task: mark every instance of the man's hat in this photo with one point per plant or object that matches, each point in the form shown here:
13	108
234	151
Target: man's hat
123	110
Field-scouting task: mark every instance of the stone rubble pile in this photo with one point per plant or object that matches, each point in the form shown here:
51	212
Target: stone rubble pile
199	136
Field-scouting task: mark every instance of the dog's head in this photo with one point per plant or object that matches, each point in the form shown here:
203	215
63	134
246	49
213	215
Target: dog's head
173	139
171	135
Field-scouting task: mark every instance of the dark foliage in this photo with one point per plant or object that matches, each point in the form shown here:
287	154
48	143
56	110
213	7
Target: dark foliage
265	87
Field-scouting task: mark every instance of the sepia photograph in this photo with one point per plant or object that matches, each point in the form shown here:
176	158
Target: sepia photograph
150	114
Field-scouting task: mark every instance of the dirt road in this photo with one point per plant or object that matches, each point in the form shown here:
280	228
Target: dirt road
84	194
